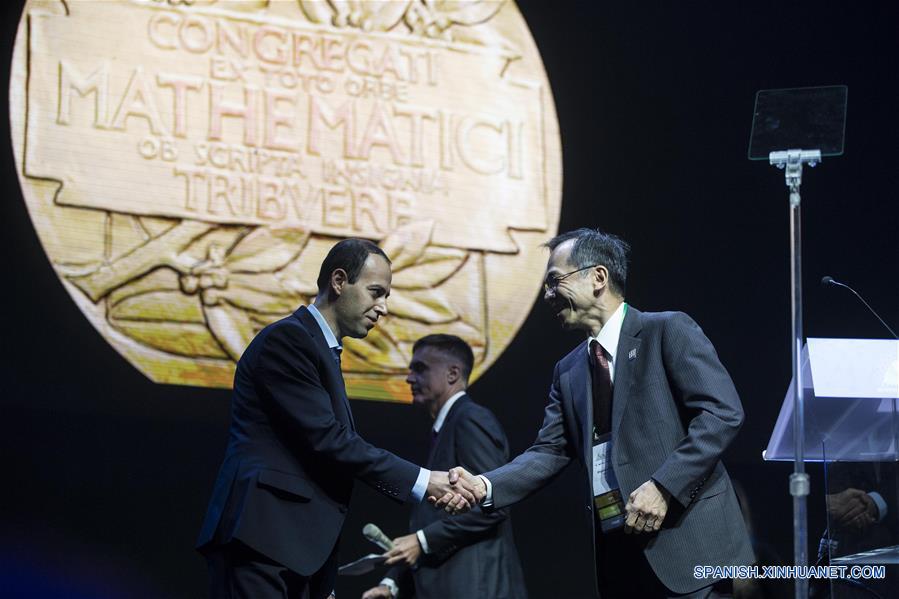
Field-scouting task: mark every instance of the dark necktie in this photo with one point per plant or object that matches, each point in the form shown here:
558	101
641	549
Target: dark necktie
335	351
602	389
433	442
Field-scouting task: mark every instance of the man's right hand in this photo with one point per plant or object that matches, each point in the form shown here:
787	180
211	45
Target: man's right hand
382	591
442	492
460	478
852	508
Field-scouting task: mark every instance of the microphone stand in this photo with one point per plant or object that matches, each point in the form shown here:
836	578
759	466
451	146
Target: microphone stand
835	283
791	161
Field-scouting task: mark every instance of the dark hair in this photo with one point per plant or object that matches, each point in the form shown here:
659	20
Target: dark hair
452	346
350	255
592	246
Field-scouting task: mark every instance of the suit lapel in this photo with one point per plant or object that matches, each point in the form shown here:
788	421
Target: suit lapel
331	367
580	389
626	357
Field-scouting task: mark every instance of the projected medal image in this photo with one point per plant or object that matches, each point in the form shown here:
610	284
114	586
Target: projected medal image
187	165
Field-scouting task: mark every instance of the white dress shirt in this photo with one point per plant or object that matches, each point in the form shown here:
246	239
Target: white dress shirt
608	336
444	410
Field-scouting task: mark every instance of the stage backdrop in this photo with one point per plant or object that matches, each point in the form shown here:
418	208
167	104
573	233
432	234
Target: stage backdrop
188	165
107	473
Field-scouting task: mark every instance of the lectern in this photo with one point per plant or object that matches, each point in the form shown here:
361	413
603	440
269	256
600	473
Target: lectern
851	414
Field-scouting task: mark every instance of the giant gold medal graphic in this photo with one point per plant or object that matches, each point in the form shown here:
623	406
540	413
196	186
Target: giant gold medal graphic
188	164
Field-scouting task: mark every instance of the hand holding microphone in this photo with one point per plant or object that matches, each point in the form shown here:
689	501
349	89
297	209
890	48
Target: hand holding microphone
376	536
402	549
406	550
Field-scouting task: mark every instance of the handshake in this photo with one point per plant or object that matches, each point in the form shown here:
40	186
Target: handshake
456	491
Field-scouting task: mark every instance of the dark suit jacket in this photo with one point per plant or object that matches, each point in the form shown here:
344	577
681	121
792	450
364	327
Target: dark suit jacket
674	412
472	555
293	451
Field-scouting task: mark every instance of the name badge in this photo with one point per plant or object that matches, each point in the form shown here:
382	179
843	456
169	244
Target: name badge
606	493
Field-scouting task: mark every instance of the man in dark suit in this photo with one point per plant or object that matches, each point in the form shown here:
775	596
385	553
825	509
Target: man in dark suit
645	409
282	492
472	555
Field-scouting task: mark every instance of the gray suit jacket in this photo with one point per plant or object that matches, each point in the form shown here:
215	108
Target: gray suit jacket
472	554
674	412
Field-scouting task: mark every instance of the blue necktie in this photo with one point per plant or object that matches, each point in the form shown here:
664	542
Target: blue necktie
335	351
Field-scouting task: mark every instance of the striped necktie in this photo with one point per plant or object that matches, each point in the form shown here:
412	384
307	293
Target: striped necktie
602	389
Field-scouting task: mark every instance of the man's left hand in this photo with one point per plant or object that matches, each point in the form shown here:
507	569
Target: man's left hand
406	549
646	508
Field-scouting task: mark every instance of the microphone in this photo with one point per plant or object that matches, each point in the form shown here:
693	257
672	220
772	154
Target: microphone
827	280
374	534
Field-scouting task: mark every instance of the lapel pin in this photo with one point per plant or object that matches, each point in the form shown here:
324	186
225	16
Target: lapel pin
632	354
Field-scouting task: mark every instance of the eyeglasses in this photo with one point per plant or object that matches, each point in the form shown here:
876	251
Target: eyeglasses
552	283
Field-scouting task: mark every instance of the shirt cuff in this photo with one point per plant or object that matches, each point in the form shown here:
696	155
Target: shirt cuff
423	541
421	484
390	584
878	500
488	499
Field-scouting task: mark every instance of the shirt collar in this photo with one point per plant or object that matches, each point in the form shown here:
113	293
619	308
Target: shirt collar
441	415
330	339
608	335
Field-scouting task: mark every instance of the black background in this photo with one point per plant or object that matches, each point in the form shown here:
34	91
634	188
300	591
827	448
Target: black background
106	475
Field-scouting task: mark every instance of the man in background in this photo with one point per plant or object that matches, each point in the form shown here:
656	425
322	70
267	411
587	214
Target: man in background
472	555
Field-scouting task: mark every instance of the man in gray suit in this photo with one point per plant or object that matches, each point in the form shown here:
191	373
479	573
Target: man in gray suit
472	555
645	409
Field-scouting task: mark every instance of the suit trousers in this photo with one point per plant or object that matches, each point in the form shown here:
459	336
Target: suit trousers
237	571
622	571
